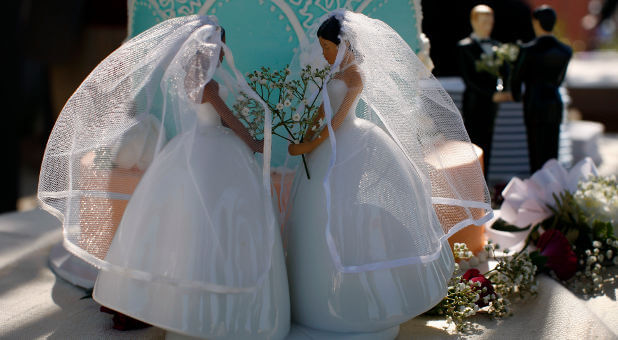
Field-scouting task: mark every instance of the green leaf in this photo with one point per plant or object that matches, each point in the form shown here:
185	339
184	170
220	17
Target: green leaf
538	259
502	225
602	230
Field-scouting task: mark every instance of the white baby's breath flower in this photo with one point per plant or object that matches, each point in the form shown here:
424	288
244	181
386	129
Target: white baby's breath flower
296	117
287	103
245	111
597	244
280	106
591	259
263	81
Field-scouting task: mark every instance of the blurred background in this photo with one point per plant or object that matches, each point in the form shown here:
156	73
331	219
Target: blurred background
52	46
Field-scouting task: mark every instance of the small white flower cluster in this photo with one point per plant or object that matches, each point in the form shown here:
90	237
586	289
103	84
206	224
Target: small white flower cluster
507	52
493	62
499	307
591	280
464	297
460	302
250	113
598	198
461	251
515	276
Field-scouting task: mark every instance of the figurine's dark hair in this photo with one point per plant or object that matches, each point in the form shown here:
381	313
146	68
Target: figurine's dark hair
330	30
546	17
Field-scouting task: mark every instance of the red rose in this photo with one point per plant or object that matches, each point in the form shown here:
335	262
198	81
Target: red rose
473	275
560	256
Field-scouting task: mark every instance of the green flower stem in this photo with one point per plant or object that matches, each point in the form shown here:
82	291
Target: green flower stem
306	168
528	239
276	134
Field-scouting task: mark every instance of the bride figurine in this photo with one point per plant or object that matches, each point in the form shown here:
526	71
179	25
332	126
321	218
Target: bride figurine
198	251
366	248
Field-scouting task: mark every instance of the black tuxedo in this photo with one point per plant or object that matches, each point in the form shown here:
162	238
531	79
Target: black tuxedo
479	110
541	66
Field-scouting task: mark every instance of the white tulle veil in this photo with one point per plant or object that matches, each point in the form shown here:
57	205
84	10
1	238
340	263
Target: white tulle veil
120	119
401	96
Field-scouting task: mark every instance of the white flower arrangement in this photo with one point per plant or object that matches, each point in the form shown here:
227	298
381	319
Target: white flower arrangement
293	112
598	198
470	292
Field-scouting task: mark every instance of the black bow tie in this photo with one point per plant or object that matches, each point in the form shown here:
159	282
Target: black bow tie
484	41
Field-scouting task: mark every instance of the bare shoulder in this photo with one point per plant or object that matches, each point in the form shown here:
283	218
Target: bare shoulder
352	76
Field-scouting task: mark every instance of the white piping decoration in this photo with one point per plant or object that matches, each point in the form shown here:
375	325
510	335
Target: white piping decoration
293	20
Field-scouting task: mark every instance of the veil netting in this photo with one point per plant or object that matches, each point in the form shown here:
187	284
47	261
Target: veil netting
139	121
444	190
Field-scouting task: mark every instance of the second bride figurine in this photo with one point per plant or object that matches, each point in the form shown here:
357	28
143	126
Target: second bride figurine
366	250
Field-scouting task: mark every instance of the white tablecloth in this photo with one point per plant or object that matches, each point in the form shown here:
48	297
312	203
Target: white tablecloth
34	303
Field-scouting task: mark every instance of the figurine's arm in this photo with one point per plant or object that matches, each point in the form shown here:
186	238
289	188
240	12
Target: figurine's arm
505	71
354	82
211	95
519	74
467	67
505	94
564	69
314	123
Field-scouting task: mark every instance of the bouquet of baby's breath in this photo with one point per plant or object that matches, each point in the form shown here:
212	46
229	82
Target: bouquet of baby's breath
493	62
470	292
293	102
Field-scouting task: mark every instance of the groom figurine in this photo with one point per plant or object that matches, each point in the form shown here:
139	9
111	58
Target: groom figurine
480	97
541	66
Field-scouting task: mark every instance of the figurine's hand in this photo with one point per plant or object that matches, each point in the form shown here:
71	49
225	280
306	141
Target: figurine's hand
500	97
211	90
298	149
309	135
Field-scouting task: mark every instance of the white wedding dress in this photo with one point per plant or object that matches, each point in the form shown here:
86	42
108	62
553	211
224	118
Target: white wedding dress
170	230
366	206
